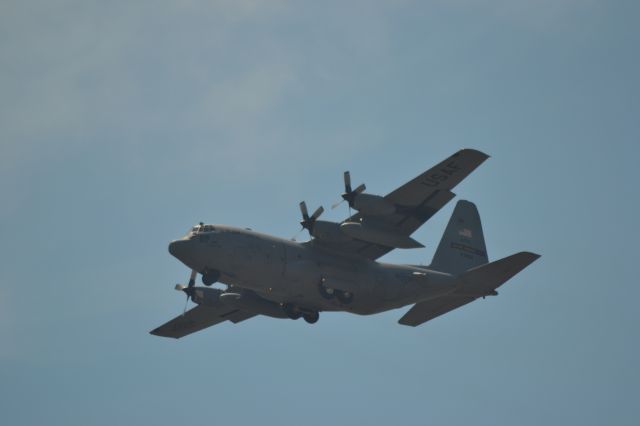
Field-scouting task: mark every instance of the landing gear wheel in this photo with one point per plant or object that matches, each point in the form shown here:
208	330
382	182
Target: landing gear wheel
291	312
311	318
345	297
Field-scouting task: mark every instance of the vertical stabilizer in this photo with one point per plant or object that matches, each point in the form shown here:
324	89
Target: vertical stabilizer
462	245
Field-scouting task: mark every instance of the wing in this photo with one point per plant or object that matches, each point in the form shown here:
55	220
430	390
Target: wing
416	201
199	318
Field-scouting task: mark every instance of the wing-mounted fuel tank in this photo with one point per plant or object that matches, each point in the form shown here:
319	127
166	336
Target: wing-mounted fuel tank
377	233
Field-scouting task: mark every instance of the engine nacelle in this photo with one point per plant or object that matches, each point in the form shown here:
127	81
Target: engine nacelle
328	232
206	296
373	205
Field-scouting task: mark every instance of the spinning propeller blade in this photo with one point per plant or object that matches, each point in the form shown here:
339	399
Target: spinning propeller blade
336	204
307	221
347	181
188	289
304	211
349	195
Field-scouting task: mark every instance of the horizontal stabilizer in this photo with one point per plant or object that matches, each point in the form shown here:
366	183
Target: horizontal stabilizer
472	284
484	279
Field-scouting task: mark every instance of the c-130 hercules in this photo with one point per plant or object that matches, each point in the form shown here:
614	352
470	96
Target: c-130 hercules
337	269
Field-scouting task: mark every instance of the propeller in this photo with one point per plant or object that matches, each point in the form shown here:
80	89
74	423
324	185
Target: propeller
188	290
307	221
349	195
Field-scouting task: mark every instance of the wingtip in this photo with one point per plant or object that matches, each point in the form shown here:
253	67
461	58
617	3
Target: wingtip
156	333
532	256
401	322
471	151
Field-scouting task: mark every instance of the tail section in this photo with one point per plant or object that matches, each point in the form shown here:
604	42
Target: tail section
462	245
462	253
478	282
485	279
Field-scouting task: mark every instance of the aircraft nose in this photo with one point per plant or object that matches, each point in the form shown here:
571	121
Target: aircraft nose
179	248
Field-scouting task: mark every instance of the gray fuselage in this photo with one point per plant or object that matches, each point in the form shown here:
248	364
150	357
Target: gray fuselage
288	272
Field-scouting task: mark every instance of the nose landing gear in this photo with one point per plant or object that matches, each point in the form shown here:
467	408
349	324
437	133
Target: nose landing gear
209	277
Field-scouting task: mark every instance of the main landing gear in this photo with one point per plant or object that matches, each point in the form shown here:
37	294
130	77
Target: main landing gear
345	297
295	313
311	317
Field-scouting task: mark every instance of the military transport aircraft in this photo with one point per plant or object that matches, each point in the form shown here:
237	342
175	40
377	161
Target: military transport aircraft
337	270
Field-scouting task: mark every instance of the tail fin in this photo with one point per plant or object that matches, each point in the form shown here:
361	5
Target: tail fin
462	245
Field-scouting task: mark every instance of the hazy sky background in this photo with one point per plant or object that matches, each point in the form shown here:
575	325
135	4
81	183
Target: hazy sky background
124	123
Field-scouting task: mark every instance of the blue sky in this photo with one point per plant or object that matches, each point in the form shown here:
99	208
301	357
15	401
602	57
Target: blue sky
122	124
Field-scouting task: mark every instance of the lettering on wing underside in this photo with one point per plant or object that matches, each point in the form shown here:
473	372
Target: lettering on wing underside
442	175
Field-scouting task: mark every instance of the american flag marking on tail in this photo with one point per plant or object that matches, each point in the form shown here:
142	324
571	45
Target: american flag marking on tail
465	232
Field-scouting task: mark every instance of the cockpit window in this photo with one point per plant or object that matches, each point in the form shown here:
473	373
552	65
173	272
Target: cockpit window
202	228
